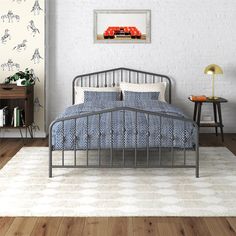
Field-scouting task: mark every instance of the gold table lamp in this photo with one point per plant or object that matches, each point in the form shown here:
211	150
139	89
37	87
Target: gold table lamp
213	70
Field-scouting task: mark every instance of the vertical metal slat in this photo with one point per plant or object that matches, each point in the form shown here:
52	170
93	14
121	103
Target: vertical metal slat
123	139
111	132
160	127
121	77
113	78
75	138
172	143
148	135
63	143
136	133
105	79
81	81
87	118
99	139
89	81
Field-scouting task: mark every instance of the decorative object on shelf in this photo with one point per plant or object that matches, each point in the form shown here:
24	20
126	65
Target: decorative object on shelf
199	98
213	70
122	26
21	78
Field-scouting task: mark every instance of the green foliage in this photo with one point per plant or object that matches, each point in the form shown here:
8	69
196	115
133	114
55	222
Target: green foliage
28	78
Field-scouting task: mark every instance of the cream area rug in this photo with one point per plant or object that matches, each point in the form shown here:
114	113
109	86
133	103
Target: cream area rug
26	190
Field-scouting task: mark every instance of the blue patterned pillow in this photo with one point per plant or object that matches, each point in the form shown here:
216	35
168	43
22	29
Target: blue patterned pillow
140	96
92	96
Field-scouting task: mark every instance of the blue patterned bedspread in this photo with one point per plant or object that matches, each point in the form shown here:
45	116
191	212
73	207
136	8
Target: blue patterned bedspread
170	132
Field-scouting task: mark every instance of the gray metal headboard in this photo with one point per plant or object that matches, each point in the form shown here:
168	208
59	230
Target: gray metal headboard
113	77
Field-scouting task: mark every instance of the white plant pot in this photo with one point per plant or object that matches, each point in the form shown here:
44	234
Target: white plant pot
18	82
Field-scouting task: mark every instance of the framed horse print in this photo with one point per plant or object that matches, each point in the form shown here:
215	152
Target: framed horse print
122	26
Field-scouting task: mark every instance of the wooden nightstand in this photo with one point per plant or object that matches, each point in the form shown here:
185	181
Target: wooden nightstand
217	118
22	97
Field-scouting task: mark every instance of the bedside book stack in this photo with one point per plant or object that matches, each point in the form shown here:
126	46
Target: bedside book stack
198	98
15	118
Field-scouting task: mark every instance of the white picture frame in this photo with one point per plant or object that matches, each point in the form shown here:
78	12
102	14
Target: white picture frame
122	26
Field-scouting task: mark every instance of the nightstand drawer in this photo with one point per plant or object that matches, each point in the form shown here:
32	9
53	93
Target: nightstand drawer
13	91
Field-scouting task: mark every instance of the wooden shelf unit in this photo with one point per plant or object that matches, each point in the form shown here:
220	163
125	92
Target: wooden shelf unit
18	96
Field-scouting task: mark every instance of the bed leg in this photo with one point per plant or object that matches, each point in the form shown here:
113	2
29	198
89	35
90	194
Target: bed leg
197	163
197	155
50	151
50	162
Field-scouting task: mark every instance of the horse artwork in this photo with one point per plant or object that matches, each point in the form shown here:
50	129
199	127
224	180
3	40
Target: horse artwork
6	37
36	57
36	8
37	105
36	78
20	46
31	27
10	65
10	17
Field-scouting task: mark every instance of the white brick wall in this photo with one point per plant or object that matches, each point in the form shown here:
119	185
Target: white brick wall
187	35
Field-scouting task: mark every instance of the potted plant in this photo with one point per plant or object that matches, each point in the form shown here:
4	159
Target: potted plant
21	78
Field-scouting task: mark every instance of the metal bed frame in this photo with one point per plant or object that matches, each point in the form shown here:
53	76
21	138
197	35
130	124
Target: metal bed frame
112	78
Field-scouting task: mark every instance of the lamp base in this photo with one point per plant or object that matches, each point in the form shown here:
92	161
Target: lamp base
213	98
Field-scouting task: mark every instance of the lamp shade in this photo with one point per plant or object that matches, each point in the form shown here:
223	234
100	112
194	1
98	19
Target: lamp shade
213	69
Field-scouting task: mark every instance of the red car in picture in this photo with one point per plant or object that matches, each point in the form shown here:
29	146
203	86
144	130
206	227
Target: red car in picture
122	32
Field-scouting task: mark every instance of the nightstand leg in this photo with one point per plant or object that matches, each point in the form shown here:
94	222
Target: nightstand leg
195	111
220	119
215	118
30	128
199	113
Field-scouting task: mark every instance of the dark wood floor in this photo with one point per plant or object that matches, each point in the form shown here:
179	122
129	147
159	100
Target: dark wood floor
135	226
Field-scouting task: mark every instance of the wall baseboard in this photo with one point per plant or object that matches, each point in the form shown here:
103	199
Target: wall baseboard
16	134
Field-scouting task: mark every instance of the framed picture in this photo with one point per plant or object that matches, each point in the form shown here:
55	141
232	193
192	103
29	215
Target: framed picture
122	26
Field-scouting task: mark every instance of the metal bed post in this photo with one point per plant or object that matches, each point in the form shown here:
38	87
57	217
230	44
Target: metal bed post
197	152
50	150
75	144
160	142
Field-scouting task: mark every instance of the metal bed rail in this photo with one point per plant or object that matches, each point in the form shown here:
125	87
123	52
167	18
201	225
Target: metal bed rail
123	149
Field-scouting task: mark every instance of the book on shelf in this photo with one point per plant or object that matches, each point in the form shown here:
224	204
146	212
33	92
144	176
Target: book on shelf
4	116
198	98
16	117
22	118
19	117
